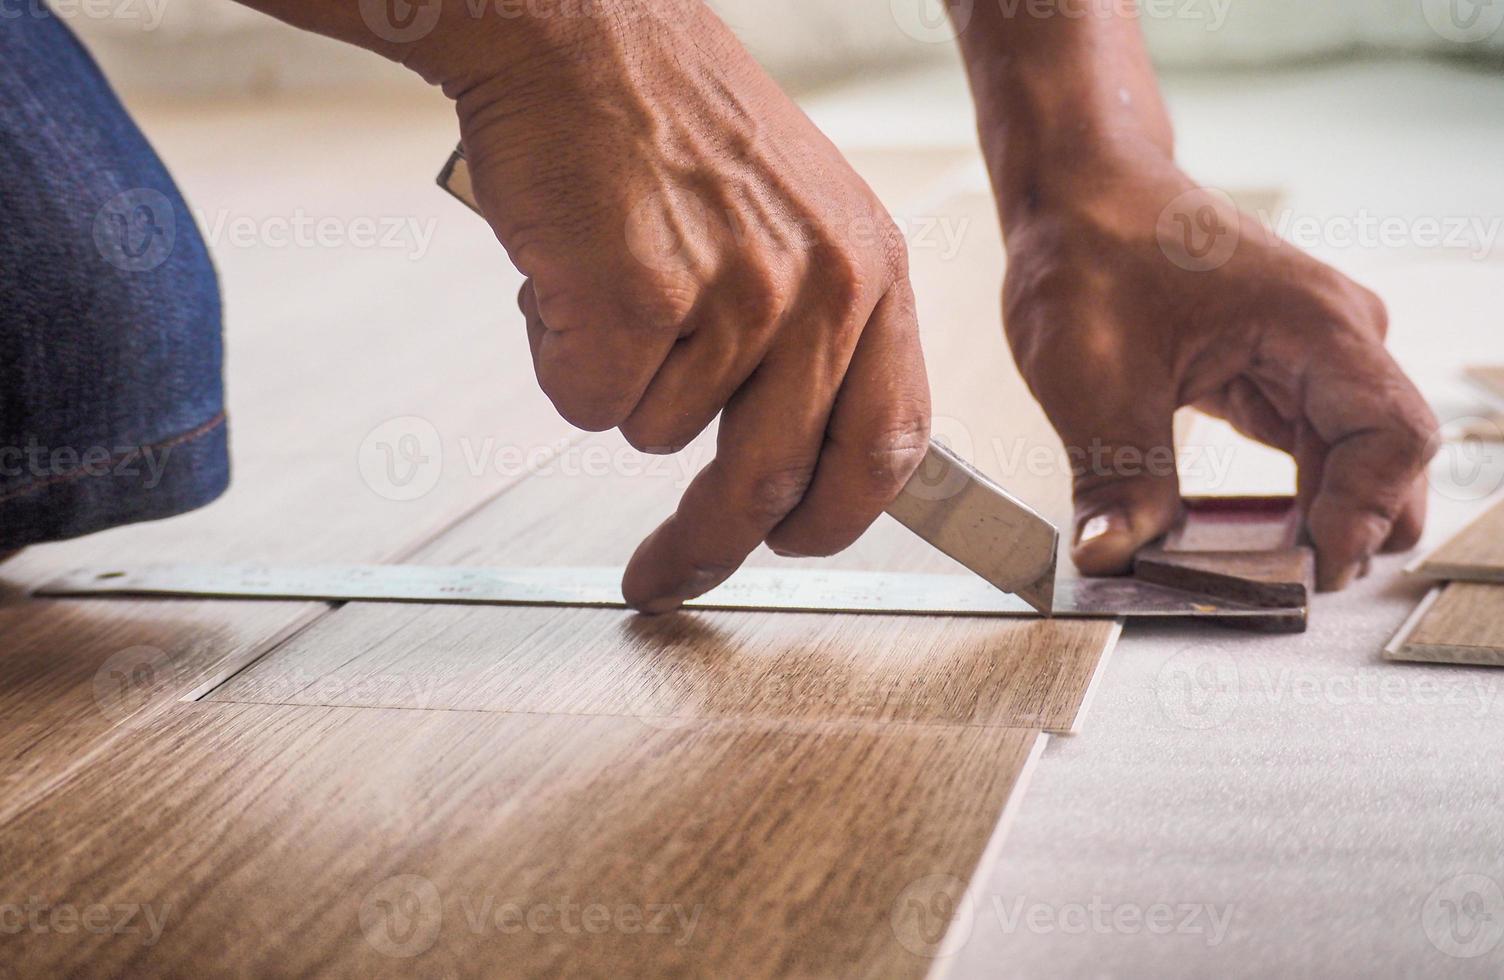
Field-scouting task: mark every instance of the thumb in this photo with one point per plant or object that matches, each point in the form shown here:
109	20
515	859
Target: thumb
1110	394
1127	494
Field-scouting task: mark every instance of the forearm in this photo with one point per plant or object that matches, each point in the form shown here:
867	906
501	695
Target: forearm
1064	93
459	44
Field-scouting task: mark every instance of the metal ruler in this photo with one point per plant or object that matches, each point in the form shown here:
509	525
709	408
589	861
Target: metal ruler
758	589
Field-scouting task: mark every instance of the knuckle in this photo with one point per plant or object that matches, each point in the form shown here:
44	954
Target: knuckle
1414	435
593	409
659	304
846	282
892	454
895	249
771	494
807	543
656	437
565	310
765	294
589	414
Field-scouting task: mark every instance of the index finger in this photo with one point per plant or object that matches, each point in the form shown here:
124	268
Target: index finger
769	443
1377	432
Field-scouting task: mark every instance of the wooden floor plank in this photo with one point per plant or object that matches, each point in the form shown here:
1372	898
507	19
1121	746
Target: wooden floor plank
804	784
324	346
1474	554
778	850
1459	623
746	666
1489	377
592	506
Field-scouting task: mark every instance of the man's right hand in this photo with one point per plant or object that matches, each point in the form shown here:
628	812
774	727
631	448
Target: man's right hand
694	246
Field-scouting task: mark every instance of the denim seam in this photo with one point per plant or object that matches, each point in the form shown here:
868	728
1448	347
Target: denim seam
78	473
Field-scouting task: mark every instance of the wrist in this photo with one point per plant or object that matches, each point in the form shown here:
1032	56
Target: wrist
1064	103
516	46
1074	169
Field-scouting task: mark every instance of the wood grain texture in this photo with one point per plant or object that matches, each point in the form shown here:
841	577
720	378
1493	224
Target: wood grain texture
803	785
1458	623
1475	554
460	841
1239	549
1277	579
324	347
322	357
591	506
752	667
1231	523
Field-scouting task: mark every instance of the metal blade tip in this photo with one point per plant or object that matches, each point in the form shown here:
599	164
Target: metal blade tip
1041	592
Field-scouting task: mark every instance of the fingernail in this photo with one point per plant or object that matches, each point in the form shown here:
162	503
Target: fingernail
672	598
1104	544
1346	576
1097	527
659	607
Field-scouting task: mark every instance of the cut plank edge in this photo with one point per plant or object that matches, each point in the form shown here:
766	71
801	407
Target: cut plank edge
1394	649
978	882
1089	695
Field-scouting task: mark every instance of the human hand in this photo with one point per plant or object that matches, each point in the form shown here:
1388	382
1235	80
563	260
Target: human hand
694	246
1140	294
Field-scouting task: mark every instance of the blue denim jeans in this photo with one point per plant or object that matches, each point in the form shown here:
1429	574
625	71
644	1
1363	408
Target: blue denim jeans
111	401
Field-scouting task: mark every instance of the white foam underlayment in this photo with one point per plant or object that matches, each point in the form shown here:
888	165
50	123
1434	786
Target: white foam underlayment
1291	805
